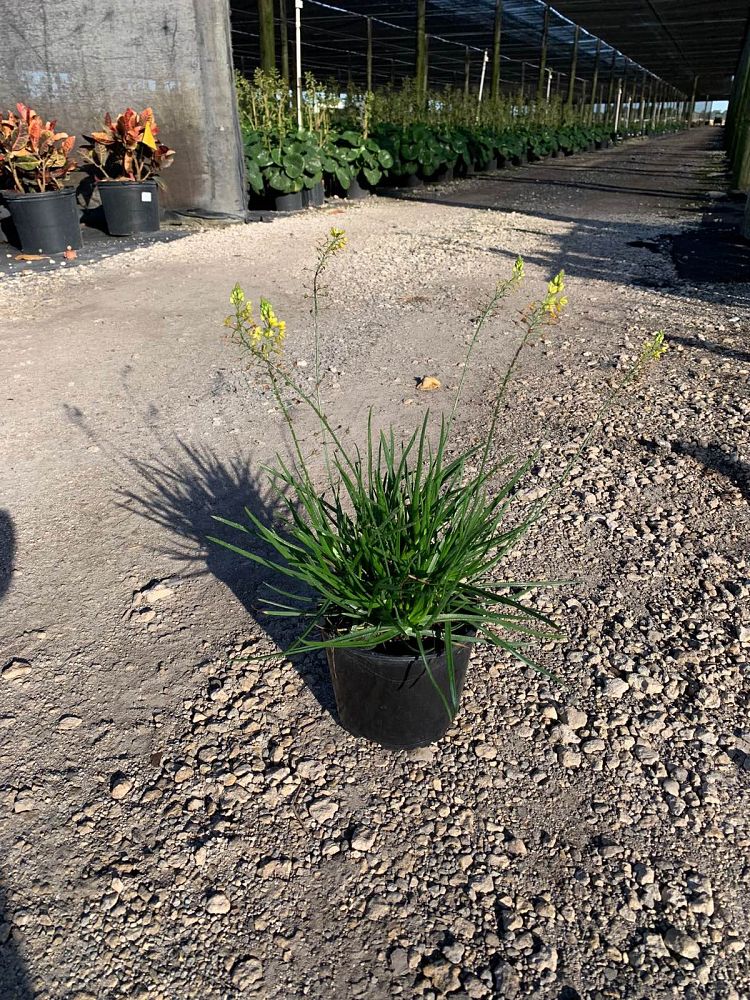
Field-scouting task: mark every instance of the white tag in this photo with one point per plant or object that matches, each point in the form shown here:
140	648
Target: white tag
145	196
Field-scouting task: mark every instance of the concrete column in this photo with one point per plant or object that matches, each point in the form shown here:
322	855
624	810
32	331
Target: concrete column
543	56
573	68
496	37
267	35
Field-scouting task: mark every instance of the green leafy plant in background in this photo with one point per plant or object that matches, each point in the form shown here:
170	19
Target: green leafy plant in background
401	545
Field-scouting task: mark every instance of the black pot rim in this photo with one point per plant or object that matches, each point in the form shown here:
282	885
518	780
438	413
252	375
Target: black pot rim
125	181
34	195
376	653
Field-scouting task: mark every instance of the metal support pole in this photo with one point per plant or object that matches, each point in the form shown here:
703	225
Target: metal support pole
481	80
642	102
611	90
549	83
543	55
467	71
573	67
298	46
284	35
266	36
619	103
523	78
496	36
369	55
595	80
421	66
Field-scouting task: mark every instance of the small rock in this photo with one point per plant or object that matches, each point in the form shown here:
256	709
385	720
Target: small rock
363	840
68	722
615	687
120	785
681	944
575	718
246	972
323	810
217	903
16	670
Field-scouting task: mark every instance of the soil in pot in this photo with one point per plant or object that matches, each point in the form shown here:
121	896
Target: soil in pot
130	207
46	222
387	696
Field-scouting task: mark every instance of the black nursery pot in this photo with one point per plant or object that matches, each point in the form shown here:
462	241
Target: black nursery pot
315	197
293	202
130	207
391	700
356	191
47	222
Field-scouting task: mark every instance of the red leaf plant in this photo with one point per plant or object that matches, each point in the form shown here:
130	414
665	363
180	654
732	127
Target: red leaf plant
127	149
33	156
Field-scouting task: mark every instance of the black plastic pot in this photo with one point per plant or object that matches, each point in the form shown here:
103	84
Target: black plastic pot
315	197
130	207
490	165
408	181
45	223
293	202
391	700
442	176
520	159
355	191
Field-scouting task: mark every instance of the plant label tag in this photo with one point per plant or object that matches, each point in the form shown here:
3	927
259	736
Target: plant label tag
145	196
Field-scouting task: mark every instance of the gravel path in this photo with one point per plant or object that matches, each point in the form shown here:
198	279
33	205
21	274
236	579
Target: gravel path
177	822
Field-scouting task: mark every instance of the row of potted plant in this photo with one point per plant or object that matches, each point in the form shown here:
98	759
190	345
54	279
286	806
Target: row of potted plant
124	159
292	168
351	142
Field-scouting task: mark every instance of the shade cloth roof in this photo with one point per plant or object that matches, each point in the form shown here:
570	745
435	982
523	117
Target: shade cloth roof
672	39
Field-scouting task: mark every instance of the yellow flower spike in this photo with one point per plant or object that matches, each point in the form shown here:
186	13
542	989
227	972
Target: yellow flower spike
237	297
654	348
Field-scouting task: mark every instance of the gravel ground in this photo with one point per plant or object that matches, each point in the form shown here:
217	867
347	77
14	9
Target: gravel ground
177	821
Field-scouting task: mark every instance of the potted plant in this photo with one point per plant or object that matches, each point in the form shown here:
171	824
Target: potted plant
356	161
34	162
392	562
127	158
285	168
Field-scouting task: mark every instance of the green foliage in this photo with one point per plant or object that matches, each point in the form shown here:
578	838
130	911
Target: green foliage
398	131
283	164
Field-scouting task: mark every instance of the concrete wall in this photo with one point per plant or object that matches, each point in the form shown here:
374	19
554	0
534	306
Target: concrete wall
73	60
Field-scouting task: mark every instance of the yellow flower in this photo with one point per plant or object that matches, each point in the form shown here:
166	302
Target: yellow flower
555	300
261	340
654	348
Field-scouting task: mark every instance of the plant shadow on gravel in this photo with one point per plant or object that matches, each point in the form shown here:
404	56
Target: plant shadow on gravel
182	496
717	462
14	984
7	551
